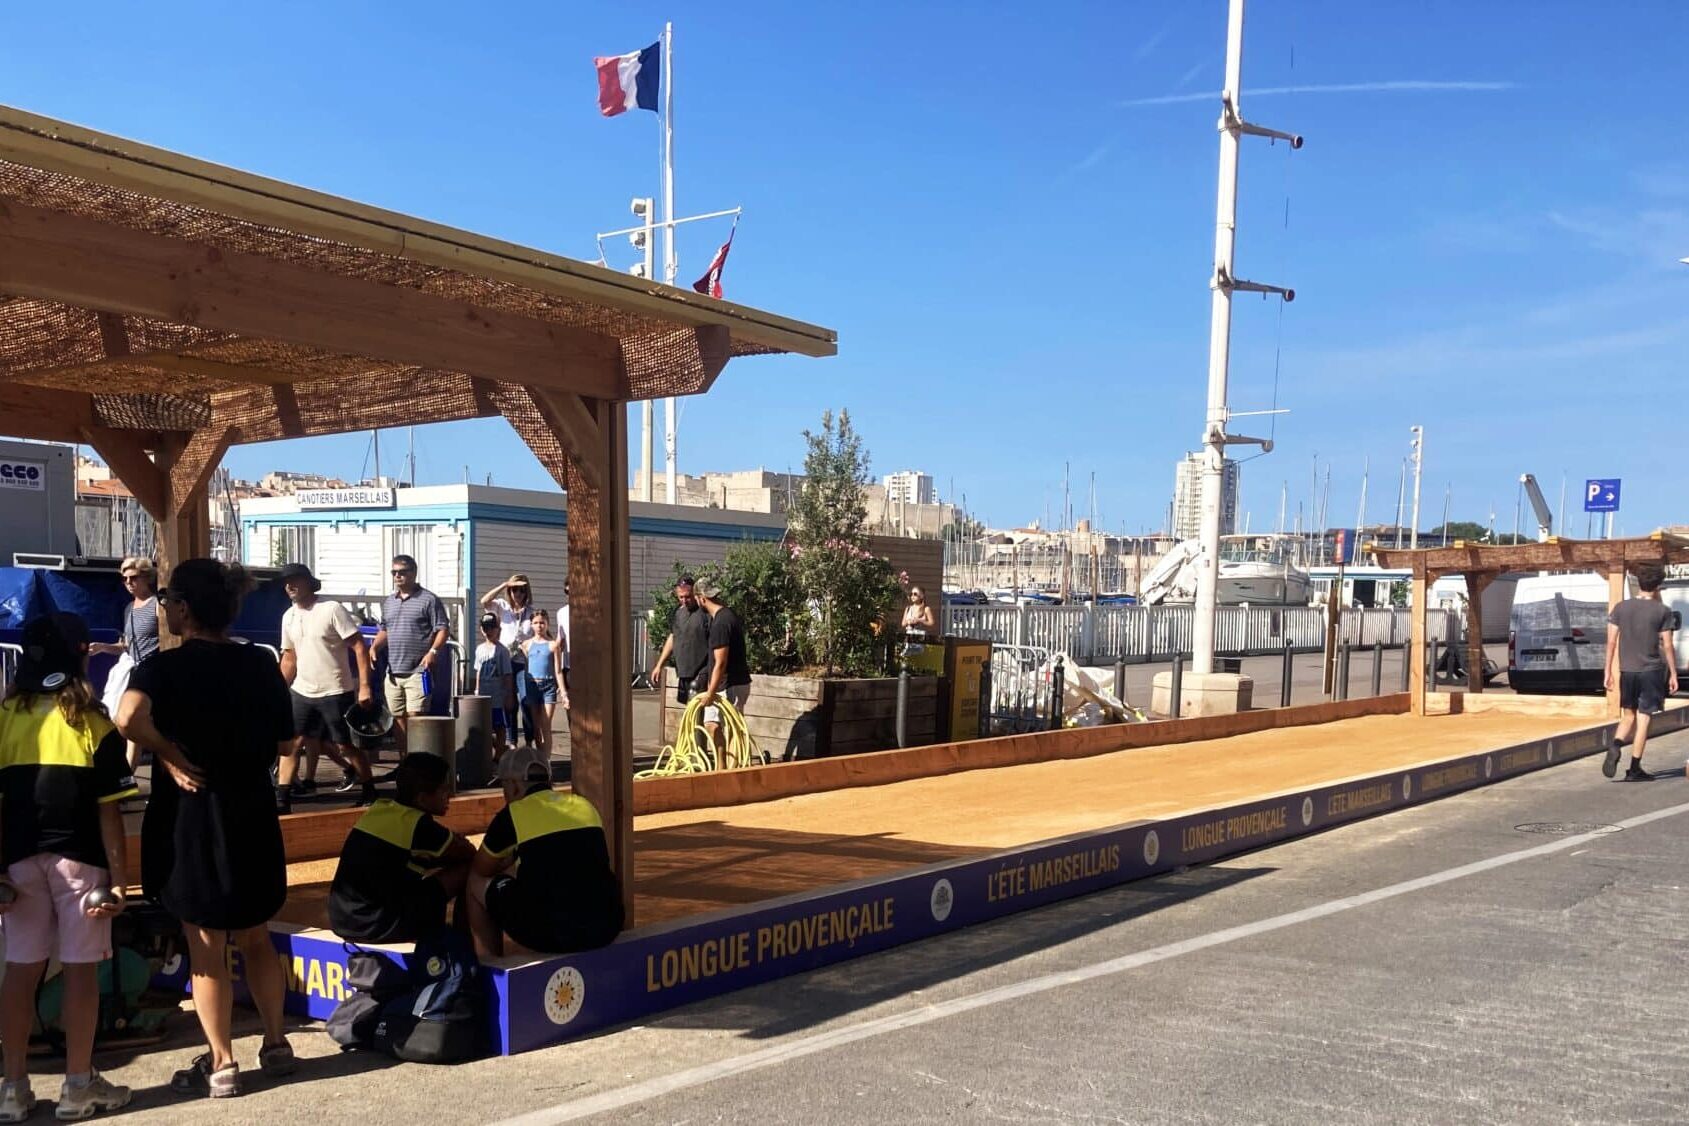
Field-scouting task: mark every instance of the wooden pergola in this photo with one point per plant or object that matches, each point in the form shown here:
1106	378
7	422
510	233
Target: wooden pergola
1482	564
162	309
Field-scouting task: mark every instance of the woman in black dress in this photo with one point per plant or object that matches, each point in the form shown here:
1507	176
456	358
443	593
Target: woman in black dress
215	714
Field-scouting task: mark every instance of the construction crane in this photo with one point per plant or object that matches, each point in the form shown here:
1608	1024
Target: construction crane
1545	515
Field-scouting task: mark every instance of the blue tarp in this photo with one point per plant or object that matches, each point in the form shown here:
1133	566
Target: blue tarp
98	598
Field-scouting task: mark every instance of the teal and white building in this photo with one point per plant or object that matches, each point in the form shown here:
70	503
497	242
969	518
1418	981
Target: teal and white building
469	538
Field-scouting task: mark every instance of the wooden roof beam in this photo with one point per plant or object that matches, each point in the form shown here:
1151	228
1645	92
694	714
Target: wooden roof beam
54	256
45	413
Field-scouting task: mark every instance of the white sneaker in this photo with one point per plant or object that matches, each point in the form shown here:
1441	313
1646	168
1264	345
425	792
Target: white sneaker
17	1101
89	1099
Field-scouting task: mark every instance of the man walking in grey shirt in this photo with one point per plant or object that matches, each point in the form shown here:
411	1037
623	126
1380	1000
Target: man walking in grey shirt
1642	663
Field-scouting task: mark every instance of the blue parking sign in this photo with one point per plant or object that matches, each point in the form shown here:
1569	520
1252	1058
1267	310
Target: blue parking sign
1601	495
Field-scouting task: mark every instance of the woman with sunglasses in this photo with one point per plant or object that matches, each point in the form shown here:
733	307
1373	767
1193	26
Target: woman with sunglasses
513	602
215	714
139	639
918	616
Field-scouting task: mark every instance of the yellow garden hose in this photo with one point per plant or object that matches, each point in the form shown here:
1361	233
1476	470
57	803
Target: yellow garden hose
692	751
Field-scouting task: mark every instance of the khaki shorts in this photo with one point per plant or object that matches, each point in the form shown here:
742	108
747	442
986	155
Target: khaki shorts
404	694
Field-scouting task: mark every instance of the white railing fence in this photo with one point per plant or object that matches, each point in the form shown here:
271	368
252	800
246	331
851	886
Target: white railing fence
1139	634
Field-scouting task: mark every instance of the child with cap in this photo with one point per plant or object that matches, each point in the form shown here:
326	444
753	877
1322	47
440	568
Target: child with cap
399	867
542	876
63	771
495	677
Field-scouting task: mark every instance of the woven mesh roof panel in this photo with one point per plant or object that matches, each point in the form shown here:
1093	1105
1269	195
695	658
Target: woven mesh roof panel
348	392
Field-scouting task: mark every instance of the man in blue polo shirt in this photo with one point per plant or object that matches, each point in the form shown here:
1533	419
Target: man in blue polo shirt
413	631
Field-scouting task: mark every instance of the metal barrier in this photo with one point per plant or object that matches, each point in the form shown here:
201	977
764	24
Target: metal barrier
1020	694
642	648
9	656
1142	634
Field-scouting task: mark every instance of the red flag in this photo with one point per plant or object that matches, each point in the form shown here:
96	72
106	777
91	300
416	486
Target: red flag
710	283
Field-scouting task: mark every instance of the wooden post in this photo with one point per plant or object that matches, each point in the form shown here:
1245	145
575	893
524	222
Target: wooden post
184	532
583	444
1615	595
1476	584
1416	645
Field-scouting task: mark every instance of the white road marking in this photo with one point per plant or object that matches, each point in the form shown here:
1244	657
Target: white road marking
620	1097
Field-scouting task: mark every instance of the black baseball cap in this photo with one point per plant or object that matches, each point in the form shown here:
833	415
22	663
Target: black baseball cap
300	571
53	648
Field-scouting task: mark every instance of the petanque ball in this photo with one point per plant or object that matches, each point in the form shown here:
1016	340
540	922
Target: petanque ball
99	897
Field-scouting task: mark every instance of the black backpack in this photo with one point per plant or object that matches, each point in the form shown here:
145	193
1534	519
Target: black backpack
431	1011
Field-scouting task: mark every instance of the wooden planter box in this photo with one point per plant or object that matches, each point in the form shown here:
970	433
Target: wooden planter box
795	717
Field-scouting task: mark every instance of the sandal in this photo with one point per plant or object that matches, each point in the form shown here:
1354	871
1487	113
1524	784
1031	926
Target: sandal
198	1078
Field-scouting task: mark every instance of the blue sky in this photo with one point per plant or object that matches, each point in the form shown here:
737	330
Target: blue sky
1011	226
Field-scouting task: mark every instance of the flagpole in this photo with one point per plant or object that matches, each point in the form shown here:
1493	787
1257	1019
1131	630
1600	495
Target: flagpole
671	266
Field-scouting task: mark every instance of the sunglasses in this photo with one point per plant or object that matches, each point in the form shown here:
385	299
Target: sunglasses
402	574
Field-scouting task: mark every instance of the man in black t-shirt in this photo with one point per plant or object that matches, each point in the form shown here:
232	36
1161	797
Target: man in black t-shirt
1642	665
688	641
542	876
730	666
399	867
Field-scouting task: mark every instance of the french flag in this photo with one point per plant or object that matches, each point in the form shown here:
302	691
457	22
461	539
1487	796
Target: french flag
629	81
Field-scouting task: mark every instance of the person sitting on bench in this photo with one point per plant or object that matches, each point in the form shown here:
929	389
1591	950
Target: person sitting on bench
542	878
399	867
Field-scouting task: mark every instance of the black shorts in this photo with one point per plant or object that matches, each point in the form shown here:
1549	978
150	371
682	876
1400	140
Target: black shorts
323	717
533	919
1643	692
415	910
690	686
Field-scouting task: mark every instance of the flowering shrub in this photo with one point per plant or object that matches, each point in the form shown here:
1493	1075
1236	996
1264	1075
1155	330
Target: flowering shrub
757	583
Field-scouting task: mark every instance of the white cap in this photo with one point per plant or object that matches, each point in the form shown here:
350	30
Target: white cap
525	764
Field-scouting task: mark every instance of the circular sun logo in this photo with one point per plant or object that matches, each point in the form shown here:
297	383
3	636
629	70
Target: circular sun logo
943	898
564	994
1152	847
1307	812
1407	786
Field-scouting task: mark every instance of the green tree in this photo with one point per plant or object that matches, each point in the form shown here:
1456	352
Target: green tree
1468	530
757	582
848	592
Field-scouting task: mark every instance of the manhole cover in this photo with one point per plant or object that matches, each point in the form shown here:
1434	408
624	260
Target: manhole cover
1567	828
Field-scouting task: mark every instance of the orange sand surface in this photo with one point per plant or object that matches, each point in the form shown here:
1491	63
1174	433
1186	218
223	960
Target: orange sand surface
703	860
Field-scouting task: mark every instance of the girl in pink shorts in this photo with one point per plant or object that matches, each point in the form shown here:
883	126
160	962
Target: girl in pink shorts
63	769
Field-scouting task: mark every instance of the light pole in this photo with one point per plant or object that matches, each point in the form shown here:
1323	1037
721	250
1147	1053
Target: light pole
643	209
1418	433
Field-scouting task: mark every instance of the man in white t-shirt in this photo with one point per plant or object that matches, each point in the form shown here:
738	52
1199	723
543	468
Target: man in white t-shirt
320	646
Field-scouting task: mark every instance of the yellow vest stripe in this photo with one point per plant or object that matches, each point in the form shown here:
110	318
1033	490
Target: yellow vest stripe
40	735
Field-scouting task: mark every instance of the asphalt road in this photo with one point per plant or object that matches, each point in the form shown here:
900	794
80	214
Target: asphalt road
1423	967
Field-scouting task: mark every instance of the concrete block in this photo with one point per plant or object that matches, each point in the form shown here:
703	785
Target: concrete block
1215	693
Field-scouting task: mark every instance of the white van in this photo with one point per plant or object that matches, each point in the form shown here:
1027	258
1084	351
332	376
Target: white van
1675	594
1558	641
